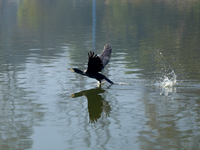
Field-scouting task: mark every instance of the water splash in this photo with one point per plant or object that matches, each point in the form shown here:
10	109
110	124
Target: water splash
169	80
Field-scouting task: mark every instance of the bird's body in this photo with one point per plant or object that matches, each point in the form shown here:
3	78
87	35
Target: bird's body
96	64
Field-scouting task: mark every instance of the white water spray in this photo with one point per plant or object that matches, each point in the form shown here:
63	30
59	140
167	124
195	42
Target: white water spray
169	80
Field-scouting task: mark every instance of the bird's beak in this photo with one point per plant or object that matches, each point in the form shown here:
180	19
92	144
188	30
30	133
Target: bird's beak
72	70
72	95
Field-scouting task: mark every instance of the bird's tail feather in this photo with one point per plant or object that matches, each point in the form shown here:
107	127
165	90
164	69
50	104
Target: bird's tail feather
108	80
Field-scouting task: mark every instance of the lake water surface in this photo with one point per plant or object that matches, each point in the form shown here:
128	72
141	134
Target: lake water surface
154	103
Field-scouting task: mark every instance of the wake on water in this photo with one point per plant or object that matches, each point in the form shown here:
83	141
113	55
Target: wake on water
168	81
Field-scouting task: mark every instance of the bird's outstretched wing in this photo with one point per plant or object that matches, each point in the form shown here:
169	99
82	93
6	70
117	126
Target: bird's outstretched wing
95	64
105	55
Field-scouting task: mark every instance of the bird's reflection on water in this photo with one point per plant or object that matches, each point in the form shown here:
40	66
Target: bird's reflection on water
97	105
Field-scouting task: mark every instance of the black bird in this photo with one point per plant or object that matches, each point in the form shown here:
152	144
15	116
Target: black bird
96	65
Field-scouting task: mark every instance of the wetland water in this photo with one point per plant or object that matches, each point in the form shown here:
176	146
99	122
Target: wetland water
154	103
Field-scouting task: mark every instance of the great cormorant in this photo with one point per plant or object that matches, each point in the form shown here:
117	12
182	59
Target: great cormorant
96	64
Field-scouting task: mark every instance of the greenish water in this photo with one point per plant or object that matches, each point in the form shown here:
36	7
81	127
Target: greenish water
154	103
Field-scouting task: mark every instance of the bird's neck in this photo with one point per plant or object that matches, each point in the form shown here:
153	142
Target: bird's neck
79	71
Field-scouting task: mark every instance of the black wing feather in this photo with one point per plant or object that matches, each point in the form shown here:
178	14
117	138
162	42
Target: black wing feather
94	63
105	55
97	63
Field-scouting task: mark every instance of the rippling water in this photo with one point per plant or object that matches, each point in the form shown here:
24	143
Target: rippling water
154	103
